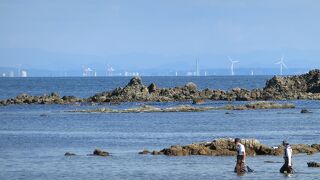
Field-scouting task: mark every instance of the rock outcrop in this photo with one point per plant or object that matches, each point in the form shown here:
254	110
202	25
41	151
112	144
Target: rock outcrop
188	108
226	147
145	151
69	154
306	86
313	164
53	98
305	111
99	152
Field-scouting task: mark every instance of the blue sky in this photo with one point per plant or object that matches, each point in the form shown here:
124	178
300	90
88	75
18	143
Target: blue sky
55	34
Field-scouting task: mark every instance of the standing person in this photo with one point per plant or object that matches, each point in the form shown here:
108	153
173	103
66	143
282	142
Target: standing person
241	157
287	156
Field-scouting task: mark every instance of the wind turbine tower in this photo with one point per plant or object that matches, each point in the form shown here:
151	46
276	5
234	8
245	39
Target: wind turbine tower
110	70
282	64
197	67
232	65
19	70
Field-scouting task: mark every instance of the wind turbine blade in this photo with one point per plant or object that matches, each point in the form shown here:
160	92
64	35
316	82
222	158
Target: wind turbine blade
229	58
284	65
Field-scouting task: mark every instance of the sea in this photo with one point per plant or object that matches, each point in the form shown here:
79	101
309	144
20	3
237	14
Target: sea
34	138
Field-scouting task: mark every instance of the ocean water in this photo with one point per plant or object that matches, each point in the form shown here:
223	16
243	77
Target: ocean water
33	146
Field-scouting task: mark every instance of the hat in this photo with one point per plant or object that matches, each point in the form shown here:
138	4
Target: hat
285	142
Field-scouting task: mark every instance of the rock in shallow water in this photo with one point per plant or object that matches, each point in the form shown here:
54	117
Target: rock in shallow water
304	111
99	152
188	108
69	154
226	147
145	151
313	164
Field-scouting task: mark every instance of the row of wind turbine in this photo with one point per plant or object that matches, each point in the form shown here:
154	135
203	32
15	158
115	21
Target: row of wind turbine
280	62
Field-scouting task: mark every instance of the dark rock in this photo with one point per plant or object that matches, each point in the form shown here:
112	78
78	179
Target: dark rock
156	153
98	152
305	111
152	88
135	81
55	94
313	164
69	154
145	151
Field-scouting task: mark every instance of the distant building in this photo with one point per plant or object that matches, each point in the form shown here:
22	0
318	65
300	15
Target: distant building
3	74
24	73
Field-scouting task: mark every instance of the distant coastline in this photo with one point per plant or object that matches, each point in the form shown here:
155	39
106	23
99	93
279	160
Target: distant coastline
305	86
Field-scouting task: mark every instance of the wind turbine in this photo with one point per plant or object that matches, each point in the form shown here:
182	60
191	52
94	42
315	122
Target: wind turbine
282	64
232	65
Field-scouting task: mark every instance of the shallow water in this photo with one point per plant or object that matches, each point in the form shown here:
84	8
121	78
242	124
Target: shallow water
33	147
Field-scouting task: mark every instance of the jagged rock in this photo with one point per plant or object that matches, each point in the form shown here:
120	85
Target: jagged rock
99	152
313	164
226	147
69	154
303	111
294	87
135	81
55	94
191	86
152	88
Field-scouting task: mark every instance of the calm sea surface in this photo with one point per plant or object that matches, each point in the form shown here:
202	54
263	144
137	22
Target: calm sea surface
33	146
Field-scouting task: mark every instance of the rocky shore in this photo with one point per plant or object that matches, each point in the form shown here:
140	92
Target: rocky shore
226	147
53	98
306	86
188	108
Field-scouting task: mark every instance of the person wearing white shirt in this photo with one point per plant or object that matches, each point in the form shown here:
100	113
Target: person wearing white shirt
241	157
287	156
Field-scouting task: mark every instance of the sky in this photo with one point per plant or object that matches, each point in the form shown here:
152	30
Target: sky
158	34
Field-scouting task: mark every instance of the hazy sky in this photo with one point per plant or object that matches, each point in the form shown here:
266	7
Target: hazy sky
156	33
